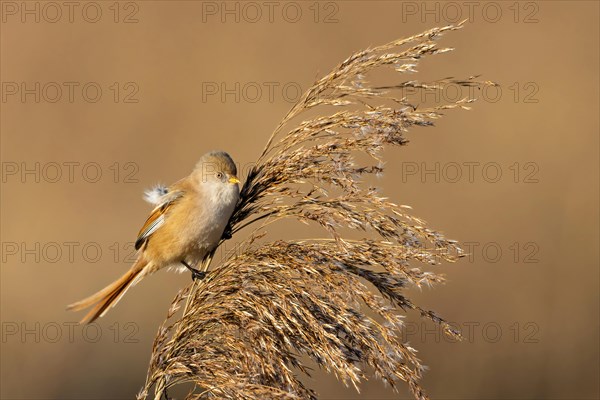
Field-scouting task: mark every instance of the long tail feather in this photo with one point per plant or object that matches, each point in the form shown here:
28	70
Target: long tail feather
106	298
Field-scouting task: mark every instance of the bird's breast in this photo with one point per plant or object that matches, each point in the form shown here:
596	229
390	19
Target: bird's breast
215	210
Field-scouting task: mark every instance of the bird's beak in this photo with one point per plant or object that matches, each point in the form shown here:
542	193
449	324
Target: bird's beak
234	179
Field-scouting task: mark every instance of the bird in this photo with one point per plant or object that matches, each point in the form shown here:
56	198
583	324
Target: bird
187	223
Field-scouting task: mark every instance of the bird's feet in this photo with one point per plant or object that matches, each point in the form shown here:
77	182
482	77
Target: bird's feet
195	273
198	275
227	234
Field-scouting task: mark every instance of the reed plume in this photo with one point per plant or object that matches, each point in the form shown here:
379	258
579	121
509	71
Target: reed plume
264	316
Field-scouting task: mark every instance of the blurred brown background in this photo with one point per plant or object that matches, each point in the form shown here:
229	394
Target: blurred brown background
131	94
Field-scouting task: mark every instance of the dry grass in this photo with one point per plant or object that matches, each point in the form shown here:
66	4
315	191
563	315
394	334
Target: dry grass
247	329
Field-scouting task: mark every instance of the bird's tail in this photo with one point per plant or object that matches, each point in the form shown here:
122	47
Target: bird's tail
106	298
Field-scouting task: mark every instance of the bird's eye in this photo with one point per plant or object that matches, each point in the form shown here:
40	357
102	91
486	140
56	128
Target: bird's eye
219	175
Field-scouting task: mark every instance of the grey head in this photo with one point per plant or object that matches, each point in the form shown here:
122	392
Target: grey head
216	166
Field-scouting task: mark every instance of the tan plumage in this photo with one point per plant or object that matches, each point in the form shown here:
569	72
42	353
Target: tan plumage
110	295
184	227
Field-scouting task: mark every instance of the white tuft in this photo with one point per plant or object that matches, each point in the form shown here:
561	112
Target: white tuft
155	194
178	268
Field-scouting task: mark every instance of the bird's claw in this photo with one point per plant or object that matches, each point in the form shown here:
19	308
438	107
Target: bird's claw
195	273
198	274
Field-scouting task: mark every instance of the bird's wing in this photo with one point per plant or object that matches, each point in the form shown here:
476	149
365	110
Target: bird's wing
157	217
